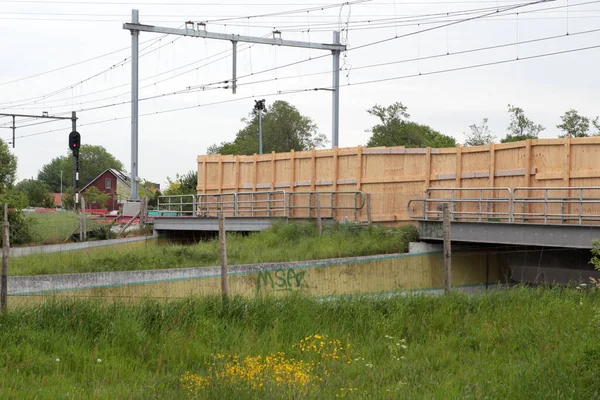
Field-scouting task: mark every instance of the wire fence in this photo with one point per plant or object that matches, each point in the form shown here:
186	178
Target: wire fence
351	258
138	268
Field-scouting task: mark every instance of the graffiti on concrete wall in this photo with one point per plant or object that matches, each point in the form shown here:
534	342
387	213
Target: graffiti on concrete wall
280	279
431	230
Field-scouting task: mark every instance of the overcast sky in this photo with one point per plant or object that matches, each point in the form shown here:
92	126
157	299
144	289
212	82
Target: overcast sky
39	36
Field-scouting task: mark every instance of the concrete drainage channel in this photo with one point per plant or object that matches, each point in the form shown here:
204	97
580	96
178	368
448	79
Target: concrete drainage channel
322	278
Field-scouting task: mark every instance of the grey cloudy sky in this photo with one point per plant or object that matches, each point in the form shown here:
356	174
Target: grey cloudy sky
40	36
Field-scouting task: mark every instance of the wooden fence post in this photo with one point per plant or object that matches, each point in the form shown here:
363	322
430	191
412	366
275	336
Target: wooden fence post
319	221
83	230
369	217
447	248
5	252
223	252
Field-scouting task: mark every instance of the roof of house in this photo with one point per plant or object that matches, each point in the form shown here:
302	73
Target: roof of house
118	174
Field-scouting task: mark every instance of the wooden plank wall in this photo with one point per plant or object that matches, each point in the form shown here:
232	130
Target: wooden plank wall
395	175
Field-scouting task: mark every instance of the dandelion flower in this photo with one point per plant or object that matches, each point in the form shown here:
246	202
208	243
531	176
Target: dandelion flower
58	360
99	360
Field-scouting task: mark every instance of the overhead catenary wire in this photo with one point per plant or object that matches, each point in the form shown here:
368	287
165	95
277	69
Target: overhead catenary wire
322	56
355	48
116	65
207	86
71	65
46	103
366	82
419	31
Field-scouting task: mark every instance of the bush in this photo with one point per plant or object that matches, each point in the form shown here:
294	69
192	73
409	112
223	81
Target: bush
21	228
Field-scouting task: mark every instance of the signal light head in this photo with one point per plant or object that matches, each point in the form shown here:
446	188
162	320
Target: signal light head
74	140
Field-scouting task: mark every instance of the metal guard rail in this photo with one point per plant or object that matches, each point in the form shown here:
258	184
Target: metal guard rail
267	203
514	206
179	205
360	200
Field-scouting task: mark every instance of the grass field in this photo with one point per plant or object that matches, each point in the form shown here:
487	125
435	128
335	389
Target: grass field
285	242
55	227
515	344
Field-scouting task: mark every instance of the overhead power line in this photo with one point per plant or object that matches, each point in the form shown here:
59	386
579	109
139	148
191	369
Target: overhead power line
210	86
366	82
64	89
509	8
225	3
44	97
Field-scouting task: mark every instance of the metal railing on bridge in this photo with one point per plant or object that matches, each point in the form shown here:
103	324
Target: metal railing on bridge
558	205
276	203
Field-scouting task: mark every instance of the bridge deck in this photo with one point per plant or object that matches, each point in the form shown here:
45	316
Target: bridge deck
550	235
211	224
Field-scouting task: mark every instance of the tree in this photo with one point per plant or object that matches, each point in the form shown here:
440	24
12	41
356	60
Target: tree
93	160
183	184
8	168
283	129
520	127
95	197
480	135
575	125
395	129
20	226
37	193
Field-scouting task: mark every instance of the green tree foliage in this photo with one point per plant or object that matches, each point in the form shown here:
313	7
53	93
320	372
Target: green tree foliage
520	127
93	160
283	127
596	123
20	226
68	199
8	167
395	129
38	193
95	198
575	125
183	184
480	134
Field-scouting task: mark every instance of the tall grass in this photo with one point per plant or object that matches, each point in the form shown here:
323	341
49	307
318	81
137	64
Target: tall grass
55	227
283	242
517	344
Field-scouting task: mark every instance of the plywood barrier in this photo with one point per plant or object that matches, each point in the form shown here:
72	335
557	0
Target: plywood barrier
394	175
376	274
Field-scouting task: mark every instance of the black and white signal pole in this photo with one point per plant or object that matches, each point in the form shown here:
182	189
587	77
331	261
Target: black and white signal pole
259	106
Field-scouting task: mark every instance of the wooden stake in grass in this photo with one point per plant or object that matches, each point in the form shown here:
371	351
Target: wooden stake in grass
223	252
83	220
447	248
5	251
319	220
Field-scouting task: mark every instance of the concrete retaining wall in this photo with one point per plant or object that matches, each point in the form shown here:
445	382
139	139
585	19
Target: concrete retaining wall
374	274
55	248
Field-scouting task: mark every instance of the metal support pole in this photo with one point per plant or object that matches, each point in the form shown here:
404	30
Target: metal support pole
260	146
135	38
234	68
335	115
75	162
5	252
13	130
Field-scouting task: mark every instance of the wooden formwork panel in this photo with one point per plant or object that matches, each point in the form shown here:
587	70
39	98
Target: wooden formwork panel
395	175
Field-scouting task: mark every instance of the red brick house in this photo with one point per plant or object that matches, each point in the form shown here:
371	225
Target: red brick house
114	183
